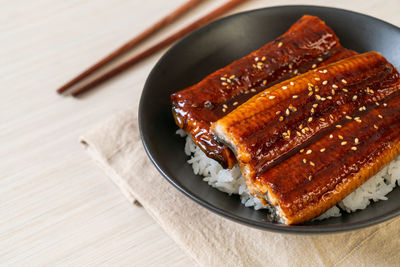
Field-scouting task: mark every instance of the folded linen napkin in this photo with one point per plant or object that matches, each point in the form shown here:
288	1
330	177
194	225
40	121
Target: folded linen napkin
213	240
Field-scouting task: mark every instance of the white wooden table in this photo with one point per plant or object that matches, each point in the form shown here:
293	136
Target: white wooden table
56	205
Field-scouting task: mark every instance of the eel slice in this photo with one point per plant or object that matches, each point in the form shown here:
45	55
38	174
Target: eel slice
268	131
325	172
309	43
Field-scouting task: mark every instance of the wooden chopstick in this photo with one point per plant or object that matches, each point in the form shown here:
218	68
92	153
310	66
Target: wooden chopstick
183	9
169	40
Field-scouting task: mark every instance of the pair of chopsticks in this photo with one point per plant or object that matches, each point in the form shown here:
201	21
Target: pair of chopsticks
148	52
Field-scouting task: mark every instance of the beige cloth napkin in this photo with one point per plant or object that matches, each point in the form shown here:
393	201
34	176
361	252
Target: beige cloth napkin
215	241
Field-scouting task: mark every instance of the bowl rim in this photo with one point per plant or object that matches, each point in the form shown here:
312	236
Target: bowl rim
281	228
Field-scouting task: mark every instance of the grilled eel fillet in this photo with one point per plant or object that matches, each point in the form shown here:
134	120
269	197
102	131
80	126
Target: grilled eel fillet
309	183
307	44
276	135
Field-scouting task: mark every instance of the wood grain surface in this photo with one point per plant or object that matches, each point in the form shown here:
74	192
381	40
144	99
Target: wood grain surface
56	205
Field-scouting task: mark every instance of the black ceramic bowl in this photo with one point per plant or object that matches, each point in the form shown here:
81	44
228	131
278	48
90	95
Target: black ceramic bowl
218	44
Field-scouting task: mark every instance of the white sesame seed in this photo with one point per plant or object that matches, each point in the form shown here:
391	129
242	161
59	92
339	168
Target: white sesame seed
310	119
253	90
304	161
376	127
329	97
295	96
318	97
348	117
319	59
356	141
309	152
296	71
314	66
312	163
340	137
325	82
271	97
333	91
284	87
315	105
310	93
263	58
343	143
331	136
291	83
376	103
224	83
321	119
287	111
354	97
280	44
344	81
302	150
298	133
323	98
224	106
223	110
345	90
334	86
338	126
316	78
322	150
256	59
380	116
235	103
223	78
353	148
280	118
384	104
265	82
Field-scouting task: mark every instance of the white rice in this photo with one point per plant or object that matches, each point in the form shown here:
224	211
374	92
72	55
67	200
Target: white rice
231	181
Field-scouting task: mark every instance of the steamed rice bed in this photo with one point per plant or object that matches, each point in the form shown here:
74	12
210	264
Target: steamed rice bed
231	181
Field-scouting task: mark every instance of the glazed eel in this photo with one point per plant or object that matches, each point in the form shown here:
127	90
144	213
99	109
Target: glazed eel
306	143
309	43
